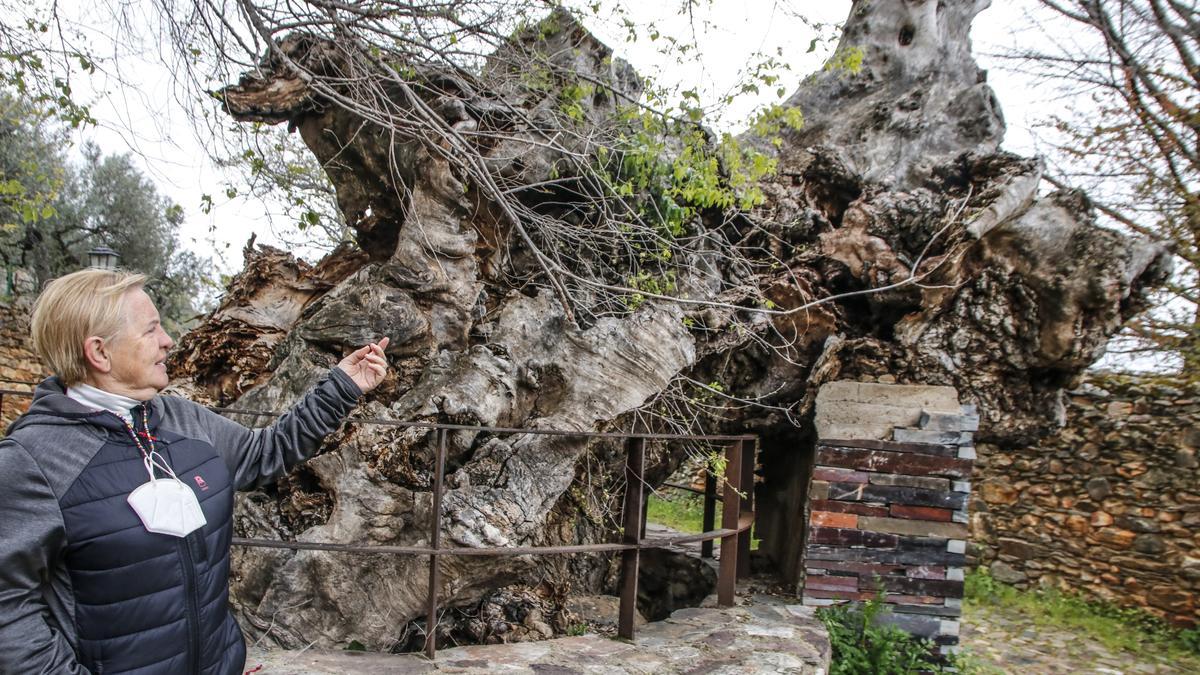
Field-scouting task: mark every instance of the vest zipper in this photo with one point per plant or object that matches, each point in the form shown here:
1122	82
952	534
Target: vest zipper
193	606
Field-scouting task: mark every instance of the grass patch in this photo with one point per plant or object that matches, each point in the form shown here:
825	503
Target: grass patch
683	511
1117	628
678	510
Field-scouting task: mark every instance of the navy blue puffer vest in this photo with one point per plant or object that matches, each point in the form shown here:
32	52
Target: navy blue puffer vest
83	585
149	602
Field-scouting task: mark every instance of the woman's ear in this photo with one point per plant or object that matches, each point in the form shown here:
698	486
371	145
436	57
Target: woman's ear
96	355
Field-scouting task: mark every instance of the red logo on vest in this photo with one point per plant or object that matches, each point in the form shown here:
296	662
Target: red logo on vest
200	482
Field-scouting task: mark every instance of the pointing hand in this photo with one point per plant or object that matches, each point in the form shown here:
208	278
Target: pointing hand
367	366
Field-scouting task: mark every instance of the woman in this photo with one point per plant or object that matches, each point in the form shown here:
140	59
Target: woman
116	504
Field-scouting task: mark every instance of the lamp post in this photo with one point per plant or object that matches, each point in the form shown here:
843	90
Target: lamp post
103	258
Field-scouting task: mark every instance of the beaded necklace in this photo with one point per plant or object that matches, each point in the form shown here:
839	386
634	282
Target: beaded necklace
147	457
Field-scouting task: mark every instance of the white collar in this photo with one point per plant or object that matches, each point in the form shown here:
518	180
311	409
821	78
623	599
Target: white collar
98	399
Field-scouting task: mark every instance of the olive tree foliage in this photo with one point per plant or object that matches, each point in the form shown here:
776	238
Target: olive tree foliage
80	204
1129	134
36	69
54	207
271	165
39	60
648	176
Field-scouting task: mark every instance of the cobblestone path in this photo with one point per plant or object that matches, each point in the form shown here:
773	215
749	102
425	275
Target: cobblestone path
1003	641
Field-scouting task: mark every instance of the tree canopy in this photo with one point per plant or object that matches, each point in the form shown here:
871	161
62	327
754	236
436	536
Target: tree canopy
54	209
1129	149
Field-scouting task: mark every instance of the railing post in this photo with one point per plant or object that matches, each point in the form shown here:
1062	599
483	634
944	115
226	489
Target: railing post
645	508
710	511
749	452
631	521
730	515
435	540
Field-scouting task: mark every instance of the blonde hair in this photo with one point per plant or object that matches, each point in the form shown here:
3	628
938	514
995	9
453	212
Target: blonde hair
73	308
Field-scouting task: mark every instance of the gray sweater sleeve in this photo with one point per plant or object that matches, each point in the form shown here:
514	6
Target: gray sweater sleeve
31	535
256	457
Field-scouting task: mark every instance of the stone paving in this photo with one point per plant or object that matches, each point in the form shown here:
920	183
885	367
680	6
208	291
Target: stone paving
1003	641
745	640
765	636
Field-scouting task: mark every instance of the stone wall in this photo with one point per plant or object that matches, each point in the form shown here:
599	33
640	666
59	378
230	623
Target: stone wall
891	514
1110	507
17	360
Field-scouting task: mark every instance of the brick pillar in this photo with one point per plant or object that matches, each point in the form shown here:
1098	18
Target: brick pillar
891	513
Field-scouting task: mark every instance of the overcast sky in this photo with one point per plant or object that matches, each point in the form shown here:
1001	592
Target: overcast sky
144	116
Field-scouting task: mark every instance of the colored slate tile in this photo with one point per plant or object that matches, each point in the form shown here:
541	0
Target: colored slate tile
913	599
894	462
896	495
900	480
932	610
837	595
899	556
926	572
848	507
927	437
913	624
831	583
842	475
940	449
936	421
863	568
843	537
920	528
818	489
940	588
921	513
827	519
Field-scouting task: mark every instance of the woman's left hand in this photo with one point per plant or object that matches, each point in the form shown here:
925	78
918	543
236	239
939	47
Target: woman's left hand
367	366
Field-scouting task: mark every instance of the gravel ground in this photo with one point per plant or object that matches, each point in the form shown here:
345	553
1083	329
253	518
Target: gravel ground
1003	641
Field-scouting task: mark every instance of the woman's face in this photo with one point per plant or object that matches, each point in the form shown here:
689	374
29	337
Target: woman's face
139	352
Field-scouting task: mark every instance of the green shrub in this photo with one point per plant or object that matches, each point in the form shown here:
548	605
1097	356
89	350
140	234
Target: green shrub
864	646
1190	639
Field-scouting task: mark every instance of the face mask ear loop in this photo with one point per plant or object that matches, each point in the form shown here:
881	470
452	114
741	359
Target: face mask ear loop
160	463
149	466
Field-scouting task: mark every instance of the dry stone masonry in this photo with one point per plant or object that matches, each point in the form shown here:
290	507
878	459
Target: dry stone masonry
18	362
891	515
1109	507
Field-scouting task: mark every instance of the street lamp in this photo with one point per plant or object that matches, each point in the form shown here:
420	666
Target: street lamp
103	258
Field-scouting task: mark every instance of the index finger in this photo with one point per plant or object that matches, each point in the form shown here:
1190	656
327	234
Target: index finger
383	343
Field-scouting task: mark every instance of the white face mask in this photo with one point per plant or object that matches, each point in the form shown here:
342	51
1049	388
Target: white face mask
166	505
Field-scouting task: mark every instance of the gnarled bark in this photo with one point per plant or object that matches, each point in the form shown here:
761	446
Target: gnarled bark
895	177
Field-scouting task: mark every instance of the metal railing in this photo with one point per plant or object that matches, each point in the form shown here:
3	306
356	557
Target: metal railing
737	514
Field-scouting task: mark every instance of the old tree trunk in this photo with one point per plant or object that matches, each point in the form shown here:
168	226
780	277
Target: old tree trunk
893	196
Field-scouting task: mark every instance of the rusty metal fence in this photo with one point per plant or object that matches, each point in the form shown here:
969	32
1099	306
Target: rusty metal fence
737	513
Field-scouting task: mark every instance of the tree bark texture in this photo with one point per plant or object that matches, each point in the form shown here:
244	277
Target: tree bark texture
897	173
